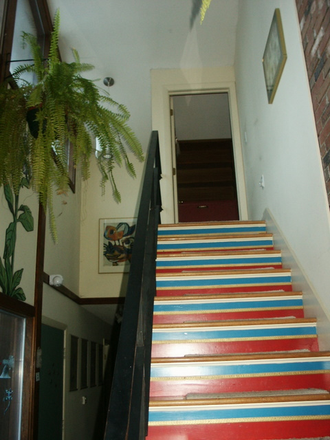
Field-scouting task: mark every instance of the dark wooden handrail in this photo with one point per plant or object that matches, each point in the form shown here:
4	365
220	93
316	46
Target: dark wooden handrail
127	417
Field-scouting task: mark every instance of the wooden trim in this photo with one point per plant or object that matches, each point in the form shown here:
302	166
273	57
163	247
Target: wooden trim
8	35
82	301
38	297
16	306
62	289
91	301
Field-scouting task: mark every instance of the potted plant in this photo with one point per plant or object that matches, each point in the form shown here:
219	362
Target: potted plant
61	105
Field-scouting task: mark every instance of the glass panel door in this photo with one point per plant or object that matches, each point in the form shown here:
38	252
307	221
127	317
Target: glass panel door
12	330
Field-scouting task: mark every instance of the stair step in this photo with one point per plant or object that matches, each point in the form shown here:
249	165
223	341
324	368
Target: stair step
171	263
244	336
178	309
254	418
224	282
215	243
180	377
200	229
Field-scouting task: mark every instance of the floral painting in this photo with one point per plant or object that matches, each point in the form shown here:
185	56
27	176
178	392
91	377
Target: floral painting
116	244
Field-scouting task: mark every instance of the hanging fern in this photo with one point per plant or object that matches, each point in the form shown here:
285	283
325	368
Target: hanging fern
204	7
66	106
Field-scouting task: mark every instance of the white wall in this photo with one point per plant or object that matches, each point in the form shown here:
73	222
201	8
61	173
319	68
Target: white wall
60	312
202	116
281	141
126	40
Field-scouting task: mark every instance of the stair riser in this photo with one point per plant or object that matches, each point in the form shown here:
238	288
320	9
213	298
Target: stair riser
239	431
180	388
223	347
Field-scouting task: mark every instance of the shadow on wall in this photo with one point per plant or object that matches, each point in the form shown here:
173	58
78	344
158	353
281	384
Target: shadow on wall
196	6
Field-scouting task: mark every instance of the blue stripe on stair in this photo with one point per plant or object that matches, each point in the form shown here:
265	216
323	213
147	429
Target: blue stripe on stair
237	369
219	413
235	280
218	261
218	306
185	335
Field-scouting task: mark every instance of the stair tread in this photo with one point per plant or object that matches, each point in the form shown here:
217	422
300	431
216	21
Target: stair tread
248	394
239	401
224	296
223	273
242	357
213	223
220	236
212	253
234	322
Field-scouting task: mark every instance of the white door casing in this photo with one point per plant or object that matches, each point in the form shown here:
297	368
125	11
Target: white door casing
168	82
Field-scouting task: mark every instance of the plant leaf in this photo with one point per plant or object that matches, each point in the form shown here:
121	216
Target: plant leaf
10	241
26	218
17	278
25	183
9	198
3	278
19	294
9	276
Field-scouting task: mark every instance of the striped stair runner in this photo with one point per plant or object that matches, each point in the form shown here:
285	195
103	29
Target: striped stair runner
233	357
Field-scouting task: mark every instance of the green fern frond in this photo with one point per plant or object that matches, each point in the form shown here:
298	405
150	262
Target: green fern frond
67	106
204	7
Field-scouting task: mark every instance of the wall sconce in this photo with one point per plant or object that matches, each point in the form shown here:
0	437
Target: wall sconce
55	280
8	364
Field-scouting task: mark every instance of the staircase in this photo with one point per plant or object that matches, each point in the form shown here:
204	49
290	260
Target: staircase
233	357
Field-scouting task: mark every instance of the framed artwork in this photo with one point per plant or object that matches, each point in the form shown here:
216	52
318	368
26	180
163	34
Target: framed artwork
275	56
116	240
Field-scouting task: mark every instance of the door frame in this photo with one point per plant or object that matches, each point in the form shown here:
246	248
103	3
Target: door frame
168	82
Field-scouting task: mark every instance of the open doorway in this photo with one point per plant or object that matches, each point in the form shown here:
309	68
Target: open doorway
203	159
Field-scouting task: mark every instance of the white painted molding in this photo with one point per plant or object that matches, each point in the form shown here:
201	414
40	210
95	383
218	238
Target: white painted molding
168	82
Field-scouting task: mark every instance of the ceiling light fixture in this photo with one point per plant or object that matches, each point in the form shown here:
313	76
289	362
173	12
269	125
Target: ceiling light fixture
108	81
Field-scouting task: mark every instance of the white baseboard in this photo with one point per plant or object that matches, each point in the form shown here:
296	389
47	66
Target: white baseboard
313	306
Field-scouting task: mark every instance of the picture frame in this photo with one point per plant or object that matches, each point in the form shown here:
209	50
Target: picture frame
275	56
116	240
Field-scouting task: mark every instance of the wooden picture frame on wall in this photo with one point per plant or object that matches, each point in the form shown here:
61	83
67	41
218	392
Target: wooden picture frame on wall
116	240
275	56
